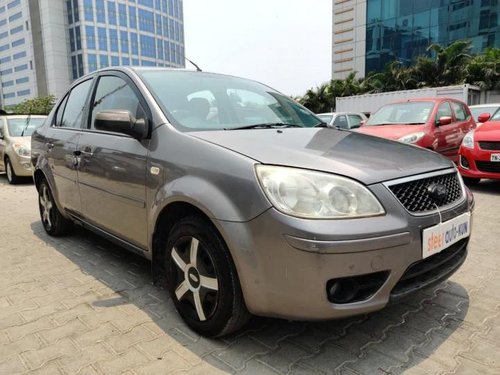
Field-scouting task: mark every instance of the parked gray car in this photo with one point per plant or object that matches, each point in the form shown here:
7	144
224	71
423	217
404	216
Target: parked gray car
242	202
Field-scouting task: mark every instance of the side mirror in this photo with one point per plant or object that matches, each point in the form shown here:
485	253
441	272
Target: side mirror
444	120
483	117
362	123
122	122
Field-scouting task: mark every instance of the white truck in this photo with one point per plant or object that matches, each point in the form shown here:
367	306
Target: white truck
369	103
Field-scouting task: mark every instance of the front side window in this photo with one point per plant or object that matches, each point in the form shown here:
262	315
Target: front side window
341	122
444	110
75	106
200	101
115	94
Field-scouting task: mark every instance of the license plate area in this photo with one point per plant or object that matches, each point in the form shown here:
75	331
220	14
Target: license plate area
443	235
495	157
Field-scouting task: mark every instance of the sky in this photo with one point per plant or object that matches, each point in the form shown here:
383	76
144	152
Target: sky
285	44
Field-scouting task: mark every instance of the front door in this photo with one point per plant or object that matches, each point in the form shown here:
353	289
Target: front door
112	169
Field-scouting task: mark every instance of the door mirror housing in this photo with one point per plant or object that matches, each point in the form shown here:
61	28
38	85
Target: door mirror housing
122	122
483	117
444	120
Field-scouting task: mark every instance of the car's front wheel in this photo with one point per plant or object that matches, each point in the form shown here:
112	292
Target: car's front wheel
54	223
12	178
202	279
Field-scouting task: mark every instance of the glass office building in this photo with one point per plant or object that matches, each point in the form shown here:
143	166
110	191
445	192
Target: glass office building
403	29
368	34
46	44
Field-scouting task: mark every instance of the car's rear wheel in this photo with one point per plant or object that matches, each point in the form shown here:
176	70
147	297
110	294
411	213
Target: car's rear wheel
12	178
202	279
53	222
470	181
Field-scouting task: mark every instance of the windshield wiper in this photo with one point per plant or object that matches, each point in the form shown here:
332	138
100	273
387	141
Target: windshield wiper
28	119
267	125
321	125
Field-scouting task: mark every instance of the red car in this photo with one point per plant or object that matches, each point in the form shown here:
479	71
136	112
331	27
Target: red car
438	124
480	151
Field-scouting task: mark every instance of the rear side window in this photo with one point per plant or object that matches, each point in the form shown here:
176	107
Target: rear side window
355	121
114	93
341	122
74	106
460	111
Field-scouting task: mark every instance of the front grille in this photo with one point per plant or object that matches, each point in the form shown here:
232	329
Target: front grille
489	145
431	270
488	166
415	197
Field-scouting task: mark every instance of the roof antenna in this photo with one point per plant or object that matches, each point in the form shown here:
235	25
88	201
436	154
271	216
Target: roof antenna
196	66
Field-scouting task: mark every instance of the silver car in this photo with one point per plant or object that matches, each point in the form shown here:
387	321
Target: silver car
15	144
343	120
242	202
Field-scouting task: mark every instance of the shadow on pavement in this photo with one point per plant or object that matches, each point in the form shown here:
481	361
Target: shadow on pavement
390	341
487	186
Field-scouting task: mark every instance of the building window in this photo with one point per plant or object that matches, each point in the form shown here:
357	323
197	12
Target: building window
19	55
20	68
100	11
92	61
4	47
5	60
113	40
3	22
158	24
18	42
148	3
134	44
125	61
15	16
78	38
88	9
90	37
103	38
12	4
7	84
132	17
81	72
22	80
124	41
9	95
122	13
148	46
2	9
72	43
115	61
4	35
159	48
103	61
16	29
111	13
74	67
6	72
135	62
23	92
146	21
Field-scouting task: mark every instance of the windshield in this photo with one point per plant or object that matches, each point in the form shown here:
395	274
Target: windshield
480	110
201	101
409	113
17	125
325	118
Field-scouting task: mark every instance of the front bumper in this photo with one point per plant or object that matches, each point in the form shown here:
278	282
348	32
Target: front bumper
21	165
285	264
469	168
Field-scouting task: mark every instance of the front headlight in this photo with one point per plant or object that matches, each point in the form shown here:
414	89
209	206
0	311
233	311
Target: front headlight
412	138
21	150
468	141
316	195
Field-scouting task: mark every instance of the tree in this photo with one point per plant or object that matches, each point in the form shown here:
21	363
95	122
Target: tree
484	70
36	106
451	62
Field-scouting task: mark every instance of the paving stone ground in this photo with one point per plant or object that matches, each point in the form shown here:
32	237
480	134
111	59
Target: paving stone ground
80	305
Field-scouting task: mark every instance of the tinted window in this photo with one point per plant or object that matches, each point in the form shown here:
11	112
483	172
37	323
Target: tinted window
113	93
444	110
341	122
460	111
354	121
75	105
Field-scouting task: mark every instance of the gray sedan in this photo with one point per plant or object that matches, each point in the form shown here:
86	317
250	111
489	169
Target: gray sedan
242	203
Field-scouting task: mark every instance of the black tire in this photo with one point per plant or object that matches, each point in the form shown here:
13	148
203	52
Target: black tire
223	309
12	178
53	222
470	181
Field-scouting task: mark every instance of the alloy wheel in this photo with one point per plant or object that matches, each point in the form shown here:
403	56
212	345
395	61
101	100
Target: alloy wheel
8	170
196	278
46	206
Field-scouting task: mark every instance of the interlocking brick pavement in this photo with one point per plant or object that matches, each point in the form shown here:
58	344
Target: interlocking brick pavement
81	305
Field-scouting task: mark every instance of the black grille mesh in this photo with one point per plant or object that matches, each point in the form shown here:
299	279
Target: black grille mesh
415	197
489	145
488	166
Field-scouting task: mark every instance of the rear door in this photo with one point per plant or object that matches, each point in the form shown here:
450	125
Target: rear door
112	170
463	118
61	140
446	136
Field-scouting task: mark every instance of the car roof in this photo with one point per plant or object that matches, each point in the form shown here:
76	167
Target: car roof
428	99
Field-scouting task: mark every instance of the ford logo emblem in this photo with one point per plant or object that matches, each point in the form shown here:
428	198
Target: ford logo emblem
437	191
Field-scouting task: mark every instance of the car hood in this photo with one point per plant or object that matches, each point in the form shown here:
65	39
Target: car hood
489	131
25	141
391	131
364	158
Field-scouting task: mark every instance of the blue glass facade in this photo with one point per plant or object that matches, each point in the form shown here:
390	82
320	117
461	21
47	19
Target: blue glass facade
403	29
114	32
